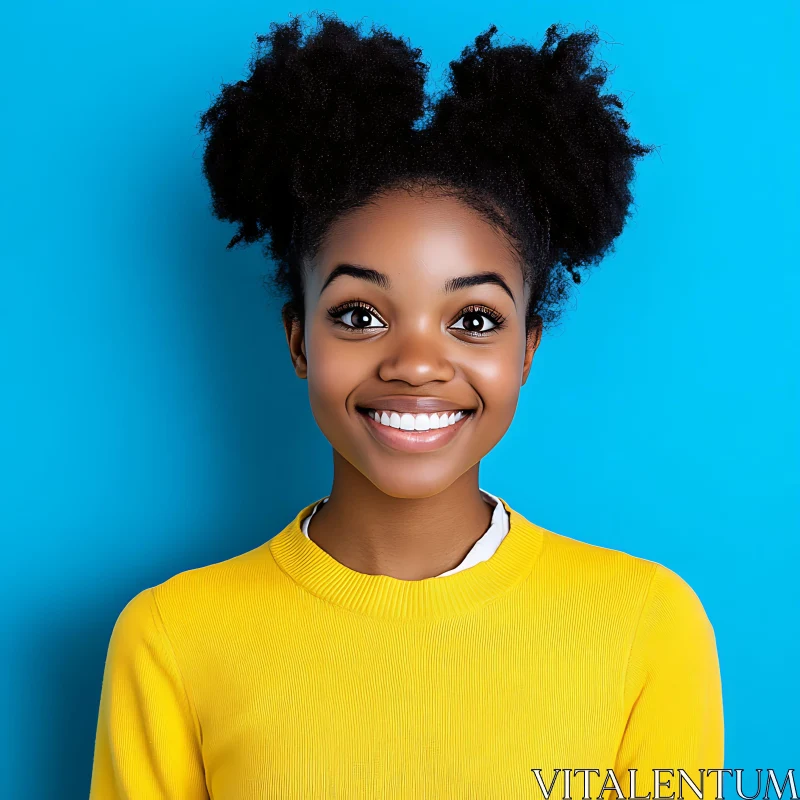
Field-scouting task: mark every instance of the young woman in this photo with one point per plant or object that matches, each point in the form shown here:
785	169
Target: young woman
411	635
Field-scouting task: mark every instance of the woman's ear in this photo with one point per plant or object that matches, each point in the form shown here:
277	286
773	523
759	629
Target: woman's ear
295	337
531	344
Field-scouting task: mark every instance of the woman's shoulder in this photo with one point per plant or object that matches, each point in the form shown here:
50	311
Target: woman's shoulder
185	625
241	579
647	589
198	601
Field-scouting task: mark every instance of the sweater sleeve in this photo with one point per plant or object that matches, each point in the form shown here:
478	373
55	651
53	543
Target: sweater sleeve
673	694
148	737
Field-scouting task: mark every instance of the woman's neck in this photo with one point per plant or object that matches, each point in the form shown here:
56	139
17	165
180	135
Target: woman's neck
411	539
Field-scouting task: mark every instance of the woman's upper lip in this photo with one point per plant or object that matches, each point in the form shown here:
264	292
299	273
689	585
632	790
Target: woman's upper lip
411	404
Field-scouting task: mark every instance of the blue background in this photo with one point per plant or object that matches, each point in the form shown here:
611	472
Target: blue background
152	421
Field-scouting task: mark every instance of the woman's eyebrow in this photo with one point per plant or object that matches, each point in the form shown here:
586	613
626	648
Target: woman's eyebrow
365	273
465	281
451	285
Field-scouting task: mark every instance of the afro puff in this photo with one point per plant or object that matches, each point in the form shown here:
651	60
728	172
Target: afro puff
329	117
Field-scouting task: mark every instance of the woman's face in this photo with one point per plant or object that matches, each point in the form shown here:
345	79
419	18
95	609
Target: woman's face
407	315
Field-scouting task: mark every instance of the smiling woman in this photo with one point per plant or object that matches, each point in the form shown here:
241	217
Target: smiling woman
402	315
410	634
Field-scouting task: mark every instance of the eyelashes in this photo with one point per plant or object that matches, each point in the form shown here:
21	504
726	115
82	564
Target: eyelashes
477	311
339	314
336	313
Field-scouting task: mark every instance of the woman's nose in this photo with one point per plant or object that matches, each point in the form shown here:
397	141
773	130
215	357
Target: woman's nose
416	357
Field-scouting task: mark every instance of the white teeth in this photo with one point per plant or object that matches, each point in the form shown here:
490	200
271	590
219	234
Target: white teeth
416	422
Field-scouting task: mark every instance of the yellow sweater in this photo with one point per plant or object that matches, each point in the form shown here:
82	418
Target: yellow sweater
281	673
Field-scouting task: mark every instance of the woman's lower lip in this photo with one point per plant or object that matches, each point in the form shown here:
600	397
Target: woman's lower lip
413	441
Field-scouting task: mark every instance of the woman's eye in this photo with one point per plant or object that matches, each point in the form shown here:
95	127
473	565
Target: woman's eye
357	318
476	322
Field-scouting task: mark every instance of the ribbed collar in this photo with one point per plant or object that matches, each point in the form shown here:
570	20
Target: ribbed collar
306	563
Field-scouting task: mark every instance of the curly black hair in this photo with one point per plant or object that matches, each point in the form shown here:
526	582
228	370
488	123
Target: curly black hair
329	118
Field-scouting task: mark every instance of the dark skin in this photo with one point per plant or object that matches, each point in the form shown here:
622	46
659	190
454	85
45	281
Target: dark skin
410	515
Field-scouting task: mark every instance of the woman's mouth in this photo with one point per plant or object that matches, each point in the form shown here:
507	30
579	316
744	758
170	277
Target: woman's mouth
415	433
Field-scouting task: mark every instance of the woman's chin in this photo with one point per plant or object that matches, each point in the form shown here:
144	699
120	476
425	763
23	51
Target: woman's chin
409	483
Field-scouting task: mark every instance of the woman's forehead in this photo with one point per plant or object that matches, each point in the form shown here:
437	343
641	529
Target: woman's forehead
428	236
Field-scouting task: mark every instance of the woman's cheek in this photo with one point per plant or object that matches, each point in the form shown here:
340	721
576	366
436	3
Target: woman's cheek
334	372
497	382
